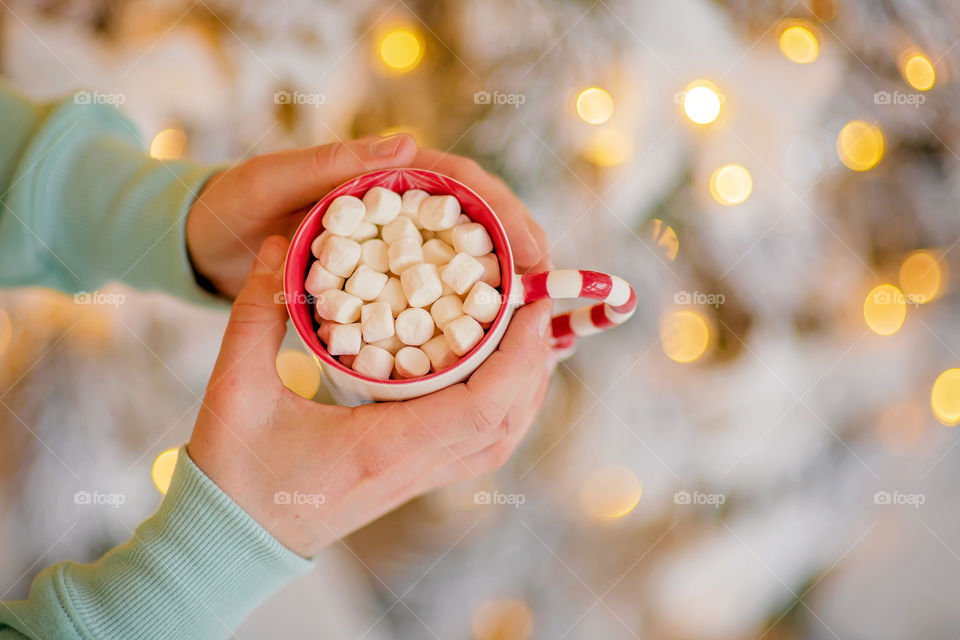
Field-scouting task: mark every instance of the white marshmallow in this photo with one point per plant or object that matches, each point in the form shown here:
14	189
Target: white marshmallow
339	256
364	232
374	362
410	203
373	253
462	334
447	234
319	280
414	326
411	362
391	344
446	309
447	289
382	205
344	215
491	269
317	243
439	353
472	238
482	303
404	253
339	306
421	284
437	252
377	321
462	272
365	283
401	227
439	212
393	295
340	339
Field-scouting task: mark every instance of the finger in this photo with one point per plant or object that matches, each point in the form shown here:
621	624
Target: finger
508	207
289	180
258	320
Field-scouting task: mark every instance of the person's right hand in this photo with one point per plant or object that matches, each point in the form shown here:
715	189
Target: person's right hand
254	438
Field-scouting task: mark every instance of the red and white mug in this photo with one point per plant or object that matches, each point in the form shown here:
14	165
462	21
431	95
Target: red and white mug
617	300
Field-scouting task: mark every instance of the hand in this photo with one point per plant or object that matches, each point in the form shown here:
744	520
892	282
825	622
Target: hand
254	438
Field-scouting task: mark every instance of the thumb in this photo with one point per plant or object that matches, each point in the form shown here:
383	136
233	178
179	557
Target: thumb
258	319
290	180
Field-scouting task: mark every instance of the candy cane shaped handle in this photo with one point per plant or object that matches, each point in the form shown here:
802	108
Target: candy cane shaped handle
617	303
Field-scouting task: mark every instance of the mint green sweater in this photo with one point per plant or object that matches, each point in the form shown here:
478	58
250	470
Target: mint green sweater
83	204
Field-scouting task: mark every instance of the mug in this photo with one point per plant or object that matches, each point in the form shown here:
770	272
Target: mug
617	299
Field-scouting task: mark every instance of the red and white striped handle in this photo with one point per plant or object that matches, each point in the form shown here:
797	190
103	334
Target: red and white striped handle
617	303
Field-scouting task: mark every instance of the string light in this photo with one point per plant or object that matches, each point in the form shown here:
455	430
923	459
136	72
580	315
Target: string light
298	372
798	43
918	71
162	471
665	238
611	493
608	147
884	309
401	49
595	105
731	184
860	145
502	619
684	336
945	397
920	276
702	101
169	144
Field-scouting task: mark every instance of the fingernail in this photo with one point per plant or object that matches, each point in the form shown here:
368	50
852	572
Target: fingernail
386	147
270	258
544	320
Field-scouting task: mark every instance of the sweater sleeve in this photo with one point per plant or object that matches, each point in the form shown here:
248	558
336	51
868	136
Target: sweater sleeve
82	203
194	569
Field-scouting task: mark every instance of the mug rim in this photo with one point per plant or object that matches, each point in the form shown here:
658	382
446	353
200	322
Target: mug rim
295	293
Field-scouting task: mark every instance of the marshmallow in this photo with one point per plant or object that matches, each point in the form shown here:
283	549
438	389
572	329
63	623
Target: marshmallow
339	255
426	234
391	344
382	205
414	326
446	309
317	243
439	212
364	232
421	284
340	339
437	252
404	253
439	353
319	280
373	253
411	362
447	289
374	362
401	227
344	215
377	321
461	272
410	203
471	238
365	283
447	234
347	361
339	306
482	303
462	334
491	269
393	295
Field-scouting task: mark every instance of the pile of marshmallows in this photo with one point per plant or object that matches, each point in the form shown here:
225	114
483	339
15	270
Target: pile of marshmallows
403	285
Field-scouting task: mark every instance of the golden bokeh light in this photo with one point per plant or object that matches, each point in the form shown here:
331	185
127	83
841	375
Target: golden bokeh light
731	184
702	102
945	397
918	71
611	493
299	372
169	144
162	471
608	147
860	145
401	49
665	238
594	105
884	309
502	619
798	43
6	331
920	277
684	335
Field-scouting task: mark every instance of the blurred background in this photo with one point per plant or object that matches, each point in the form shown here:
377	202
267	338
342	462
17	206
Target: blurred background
762	452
